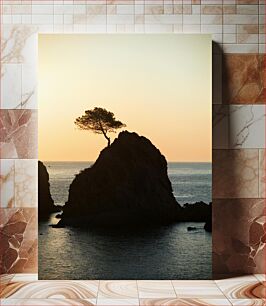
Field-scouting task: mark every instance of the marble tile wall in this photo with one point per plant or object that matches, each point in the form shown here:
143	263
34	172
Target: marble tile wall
238	33
19	243
239	235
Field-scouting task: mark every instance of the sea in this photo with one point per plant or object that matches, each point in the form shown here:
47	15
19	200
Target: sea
166	252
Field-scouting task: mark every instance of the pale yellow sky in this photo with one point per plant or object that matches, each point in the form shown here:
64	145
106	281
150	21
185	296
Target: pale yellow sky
159	85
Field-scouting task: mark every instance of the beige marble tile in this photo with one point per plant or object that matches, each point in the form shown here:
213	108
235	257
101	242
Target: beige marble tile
118	289
229	38
238	233
245	287
236	279
240	49
248	302
248	29
229	9
184	302
247	1
211	19
243	75
247	38
42	9
25	277
5	279
11	85
247	9
163	19
240	19
229	28
235	173
29	85
262	170
117	302
168	8
51	290
156	289
260	277
19	245
187	9
153	9
26	177
211	9
96	9
247	126
18	130
18	44
48	302
197	289
111	9
178	9
7	183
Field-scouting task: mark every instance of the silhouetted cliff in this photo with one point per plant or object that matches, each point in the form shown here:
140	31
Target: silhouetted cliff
45	202
128	184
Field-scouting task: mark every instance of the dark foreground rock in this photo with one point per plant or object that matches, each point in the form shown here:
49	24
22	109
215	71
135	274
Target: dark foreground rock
45	202
128	184
196	212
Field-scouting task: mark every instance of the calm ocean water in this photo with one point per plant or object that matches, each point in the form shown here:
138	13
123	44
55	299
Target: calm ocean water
169	252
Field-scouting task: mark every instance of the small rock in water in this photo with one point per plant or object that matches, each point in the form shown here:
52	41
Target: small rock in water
57	225
191	228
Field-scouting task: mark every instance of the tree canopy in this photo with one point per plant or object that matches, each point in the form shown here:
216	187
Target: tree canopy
99	121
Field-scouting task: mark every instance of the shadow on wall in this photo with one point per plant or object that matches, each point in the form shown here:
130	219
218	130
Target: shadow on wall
238	213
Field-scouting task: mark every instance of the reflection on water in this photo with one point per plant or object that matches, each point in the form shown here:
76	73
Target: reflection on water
169	252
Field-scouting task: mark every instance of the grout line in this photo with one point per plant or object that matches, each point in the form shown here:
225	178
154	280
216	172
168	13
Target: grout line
98	288
174	289
219	289
138	291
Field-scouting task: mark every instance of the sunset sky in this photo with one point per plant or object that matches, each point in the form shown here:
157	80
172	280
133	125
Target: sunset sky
159	85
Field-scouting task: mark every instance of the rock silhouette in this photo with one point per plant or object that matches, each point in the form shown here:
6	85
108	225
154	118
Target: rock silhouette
45	202
196	212
128	184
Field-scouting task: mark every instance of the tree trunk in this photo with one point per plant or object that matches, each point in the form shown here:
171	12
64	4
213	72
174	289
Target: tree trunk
105	135
107	138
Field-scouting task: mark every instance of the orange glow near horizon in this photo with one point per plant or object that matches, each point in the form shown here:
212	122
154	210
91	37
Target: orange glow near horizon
159	85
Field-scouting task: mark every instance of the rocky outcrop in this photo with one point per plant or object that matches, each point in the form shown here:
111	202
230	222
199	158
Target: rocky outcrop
196	212
128	184
45	202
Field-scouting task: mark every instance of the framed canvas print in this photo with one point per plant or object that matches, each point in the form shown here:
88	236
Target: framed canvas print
125	156
113	205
